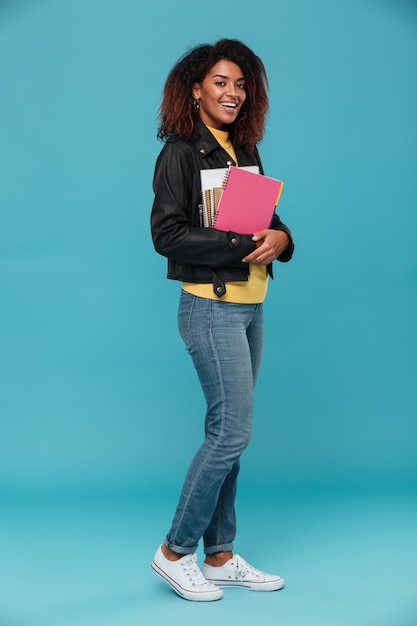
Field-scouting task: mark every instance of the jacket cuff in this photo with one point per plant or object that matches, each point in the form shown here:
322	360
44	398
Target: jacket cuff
241	241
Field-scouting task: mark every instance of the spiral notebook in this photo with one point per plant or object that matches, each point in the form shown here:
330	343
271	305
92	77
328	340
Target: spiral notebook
212	184
247	202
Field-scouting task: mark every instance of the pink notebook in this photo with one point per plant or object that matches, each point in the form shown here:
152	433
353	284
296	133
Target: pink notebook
247	202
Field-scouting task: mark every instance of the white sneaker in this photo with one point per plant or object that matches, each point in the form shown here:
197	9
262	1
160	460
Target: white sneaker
185	577
237	573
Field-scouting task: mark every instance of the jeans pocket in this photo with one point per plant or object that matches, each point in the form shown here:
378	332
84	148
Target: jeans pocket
185	311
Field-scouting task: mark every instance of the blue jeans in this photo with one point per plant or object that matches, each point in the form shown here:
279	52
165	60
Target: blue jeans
225	343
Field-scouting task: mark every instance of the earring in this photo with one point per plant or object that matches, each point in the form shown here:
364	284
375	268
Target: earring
196	103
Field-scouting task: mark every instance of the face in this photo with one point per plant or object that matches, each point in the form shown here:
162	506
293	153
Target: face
221	94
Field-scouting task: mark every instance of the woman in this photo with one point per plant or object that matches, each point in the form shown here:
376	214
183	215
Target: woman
212	116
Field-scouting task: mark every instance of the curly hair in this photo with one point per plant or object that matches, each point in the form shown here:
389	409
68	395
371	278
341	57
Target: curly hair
177	113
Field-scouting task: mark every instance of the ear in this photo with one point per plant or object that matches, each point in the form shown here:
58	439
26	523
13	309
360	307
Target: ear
196	91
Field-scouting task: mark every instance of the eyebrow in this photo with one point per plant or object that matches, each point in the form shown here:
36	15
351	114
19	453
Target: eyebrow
222	76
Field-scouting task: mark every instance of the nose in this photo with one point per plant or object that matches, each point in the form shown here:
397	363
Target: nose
232	91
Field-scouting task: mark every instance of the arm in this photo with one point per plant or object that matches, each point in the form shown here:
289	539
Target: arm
271	246
174	224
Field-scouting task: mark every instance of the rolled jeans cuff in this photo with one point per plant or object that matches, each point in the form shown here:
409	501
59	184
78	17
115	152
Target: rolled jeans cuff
224	547
180	549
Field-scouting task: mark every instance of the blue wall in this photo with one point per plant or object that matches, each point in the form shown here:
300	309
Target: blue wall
93	374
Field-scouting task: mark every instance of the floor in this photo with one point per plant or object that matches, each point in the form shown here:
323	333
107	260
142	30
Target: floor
348	560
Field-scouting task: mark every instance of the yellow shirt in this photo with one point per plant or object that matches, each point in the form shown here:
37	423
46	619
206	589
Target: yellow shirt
254	289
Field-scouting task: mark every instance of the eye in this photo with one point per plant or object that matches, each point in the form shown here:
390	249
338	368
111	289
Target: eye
241	85
220	83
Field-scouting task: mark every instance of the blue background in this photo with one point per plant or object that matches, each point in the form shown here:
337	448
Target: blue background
97	394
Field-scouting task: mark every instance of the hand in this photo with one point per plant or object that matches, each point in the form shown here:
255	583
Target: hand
270	244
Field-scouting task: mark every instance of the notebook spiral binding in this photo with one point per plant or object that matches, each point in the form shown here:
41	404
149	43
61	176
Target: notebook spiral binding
223	187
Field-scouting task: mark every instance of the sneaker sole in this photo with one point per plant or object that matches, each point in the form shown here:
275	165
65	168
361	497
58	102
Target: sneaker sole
196	596
274	585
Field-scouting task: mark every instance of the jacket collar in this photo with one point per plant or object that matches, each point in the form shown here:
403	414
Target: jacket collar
206	142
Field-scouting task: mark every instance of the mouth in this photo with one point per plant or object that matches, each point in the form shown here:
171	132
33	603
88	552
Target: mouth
229	105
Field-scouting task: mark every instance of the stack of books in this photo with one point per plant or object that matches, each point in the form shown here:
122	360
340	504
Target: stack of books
239	199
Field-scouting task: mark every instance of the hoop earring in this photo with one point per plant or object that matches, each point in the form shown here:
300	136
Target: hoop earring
196	104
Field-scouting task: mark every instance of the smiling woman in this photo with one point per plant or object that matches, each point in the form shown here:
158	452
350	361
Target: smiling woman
212	116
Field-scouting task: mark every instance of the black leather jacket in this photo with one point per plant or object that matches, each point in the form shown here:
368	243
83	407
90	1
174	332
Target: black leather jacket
197	254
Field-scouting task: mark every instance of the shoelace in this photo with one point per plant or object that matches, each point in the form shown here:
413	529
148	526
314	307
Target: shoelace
243	568
193	571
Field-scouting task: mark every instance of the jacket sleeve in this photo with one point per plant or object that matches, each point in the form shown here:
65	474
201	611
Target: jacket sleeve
175	233
289	251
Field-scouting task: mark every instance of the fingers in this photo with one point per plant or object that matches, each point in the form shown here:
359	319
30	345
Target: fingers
260	235
270	244
263	255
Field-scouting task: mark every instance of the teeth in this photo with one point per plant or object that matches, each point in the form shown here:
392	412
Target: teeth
229	105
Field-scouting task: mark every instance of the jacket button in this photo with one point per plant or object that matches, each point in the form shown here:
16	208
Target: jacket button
233	241
218	289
